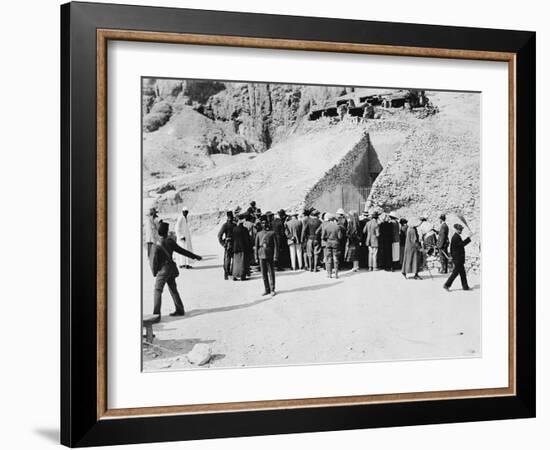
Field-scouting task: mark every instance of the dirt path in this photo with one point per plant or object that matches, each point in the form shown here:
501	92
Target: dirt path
364	316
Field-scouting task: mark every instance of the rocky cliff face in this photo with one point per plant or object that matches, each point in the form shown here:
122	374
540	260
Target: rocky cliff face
261	113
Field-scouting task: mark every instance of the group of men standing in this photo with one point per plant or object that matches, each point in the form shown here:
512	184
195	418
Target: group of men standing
311	240
305	241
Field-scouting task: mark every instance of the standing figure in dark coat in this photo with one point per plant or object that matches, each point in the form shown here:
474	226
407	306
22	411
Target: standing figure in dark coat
354	239
225	238
342	222
411	256
332	235
402	239
293	231
363	248
241	249
395	246
304	219
372	231
459	258
165	269
443	244
278	226
267	252
385	242
313	246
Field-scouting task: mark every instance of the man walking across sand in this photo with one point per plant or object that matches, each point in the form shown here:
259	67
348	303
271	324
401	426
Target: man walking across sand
183	235
165	271
267	252
459	258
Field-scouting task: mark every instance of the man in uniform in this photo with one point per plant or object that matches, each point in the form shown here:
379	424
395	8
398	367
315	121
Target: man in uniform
443	244
165	270
313	247
267	252
459	258
225	238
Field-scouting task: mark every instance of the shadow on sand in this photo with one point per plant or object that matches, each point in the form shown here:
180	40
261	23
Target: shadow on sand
315	287
180	345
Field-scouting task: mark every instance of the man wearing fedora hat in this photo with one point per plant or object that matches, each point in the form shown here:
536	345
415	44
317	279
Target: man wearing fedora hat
459	258
151	233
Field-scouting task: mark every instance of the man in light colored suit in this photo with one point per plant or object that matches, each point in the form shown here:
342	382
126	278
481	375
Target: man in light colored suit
372	231
293	231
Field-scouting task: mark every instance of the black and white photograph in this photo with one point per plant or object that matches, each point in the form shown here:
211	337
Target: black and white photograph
288	224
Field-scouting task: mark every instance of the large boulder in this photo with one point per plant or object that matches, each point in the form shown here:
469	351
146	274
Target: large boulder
200	354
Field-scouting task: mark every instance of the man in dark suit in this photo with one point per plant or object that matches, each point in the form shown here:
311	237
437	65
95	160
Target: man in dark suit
332	236
165	269
459	258
313	246
372	231
225	238
293	229
267	252
443	244
278	226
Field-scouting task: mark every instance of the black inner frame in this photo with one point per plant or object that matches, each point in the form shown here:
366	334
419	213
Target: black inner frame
79	424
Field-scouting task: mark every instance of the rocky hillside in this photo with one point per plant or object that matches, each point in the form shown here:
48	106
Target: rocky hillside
214	146
437	168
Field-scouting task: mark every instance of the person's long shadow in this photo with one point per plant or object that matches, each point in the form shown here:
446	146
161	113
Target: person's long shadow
315	287
181	345
210	266
200	312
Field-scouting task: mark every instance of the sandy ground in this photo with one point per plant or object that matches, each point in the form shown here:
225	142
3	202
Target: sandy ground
363	316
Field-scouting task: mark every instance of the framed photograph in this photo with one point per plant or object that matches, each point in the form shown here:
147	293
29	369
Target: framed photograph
278	224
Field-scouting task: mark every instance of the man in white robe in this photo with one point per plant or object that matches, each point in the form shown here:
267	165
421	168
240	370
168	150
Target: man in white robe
183	235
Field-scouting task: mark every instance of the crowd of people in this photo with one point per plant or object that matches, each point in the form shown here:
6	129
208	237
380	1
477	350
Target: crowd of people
308	240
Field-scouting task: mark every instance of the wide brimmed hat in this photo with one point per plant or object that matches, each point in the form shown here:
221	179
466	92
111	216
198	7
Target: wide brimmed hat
185	208
393	215
340	211
282	211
